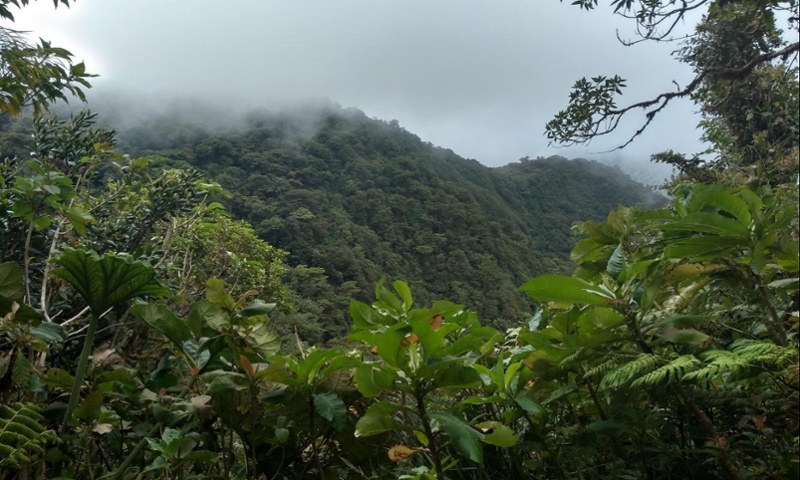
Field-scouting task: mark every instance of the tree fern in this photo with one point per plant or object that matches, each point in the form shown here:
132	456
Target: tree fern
571	359
672	372
21	435
23	374
743	354
719	362
602	369
645	362
759	352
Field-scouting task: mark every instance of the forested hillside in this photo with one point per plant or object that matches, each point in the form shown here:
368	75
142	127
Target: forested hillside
363	199
148	332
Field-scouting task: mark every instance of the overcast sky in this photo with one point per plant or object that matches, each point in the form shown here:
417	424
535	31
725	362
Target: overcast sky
479	77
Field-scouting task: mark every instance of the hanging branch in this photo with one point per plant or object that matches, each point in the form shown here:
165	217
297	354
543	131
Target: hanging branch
592	111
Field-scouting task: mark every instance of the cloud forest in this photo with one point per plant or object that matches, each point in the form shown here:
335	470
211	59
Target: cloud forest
308	292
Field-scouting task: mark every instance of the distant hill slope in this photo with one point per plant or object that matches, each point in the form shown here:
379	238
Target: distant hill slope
364	199
354	199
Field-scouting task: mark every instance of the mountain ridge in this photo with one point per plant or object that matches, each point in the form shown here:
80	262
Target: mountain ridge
363	199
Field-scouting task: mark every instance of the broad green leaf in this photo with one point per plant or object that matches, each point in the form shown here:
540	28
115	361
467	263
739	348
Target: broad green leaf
11	283
708	222
464	438
489	377
264	341
308	367
588	250
658	214
216	294
210	352
388	300
161	318
257	308
371	380
455	376
140	163
22	209
375	424
497	434
79	217
42	222
687	336
650	291
561	392
405	293
57	378
684	321
204	313
330	407
282	435
758	259
717	196
49	332
702	247
388	344
526	401
599	318
227	382
89	410
23	314
560	288
432	341
616	262
686	271
482	399
107	280
789	283
510	375
362	315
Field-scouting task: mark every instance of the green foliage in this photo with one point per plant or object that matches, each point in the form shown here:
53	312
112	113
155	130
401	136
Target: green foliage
588	99
107	280
362	199
671	352
421	355
35	74
22	435
684	326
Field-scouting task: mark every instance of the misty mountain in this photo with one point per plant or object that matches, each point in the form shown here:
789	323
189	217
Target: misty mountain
364	199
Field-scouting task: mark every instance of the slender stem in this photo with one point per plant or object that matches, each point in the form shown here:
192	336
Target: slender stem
53	245
722	458
81	372
26	262
313	435
775	327
426	424
132	456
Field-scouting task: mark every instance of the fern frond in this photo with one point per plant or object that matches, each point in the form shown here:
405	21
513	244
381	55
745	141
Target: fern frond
22	435
22	372
645	362
761	352
719	362
566	362
672	372
601	370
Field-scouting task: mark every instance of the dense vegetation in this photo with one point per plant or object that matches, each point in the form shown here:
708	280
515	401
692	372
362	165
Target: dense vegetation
363	199
137	341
